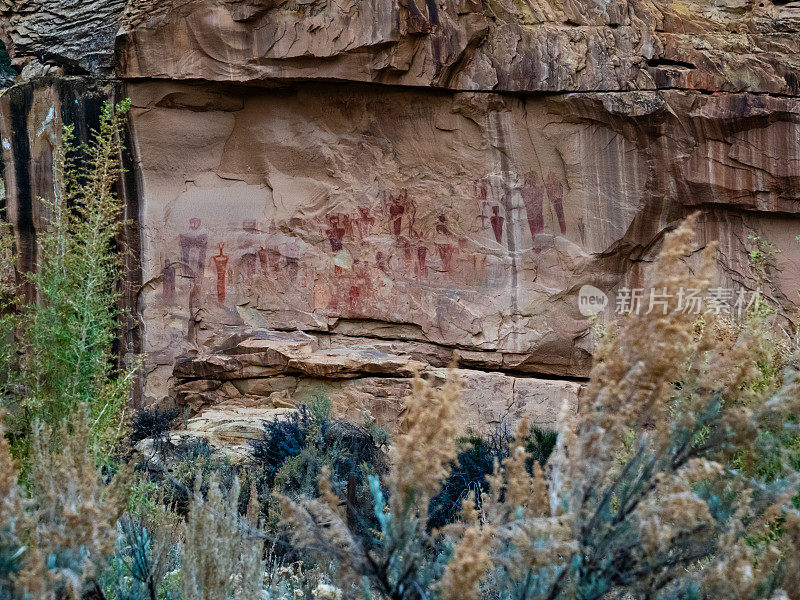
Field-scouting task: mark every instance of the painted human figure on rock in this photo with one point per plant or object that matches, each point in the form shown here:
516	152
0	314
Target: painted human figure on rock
555	191
408	259
444	243
490	203
193	244
269	258
533	197
441	226
335	233
221	263
246	245
364	222
402	213
380	261
446	252
291	256
396	211
354	298
168	283
497	224
421	269
533	193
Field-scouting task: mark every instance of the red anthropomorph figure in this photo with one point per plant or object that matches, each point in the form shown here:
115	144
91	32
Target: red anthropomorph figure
335	233
497	224
364	222
396	210
168	282
221	262
555	191
533	196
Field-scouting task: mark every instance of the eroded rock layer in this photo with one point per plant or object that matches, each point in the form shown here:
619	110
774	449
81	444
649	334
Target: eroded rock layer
332	195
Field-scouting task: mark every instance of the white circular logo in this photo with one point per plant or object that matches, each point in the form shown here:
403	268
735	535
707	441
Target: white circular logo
591	300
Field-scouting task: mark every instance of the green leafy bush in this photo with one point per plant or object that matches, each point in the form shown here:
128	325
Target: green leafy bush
475	462
62	356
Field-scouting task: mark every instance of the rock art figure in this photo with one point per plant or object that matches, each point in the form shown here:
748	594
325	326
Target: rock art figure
421	269
408	259
396	210
355	298
441	226
335	233
168	283
555	191
497	224
533	192
399	208
193	241
291	255
533	196
364	222
248	267
221	263
380	261
446	252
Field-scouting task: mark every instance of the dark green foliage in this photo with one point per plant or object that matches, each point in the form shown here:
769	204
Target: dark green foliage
7	72
290	456
282	439
468	473
145	554
152	422
187	460
11	554
540	444
63	356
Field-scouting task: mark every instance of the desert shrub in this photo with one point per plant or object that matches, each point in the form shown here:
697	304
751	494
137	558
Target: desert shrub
282	439
677	401
475	462
66	334
292	452
222	553
58	534
153	422
14	521
642	498
398	560
179	465
147	550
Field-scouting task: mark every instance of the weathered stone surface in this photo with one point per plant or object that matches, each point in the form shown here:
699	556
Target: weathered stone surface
588	45
76	36
488	400
303	229
269	353
463	222
347	377
229	429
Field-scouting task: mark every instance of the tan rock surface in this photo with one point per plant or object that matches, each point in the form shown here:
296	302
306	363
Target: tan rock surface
488	399
579	45
301	228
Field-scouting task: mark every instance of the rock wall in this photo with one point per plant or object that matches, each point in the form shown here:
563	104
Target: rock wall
331	194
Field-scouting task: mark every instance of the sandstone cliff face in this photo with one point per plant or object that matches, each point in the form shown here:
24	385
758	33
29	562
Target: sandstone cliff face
502	45
302	227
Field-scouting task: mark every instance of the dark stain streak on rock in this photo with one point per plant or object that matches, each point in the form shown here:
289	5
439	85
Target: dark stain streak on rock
21	99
